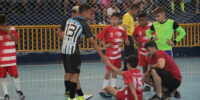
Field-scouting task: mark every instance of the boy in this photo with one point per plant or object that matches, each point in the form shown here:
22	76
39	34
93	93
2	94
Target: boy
8	38
113	36
132	78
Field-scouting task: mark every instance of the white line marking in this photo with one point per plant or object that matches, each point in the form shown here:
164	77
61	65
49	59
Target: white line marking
1	97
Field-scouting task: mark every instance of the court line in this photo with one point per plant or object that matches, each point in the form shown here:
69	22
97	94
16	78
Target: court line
1	97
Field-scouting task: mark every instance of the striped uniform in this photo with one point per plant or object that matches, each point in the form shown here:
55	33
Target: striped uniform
74	29
8	54
114	36
140	33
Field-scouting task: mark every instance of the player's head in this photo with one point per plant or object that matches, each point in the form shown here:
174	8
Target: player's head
84	11
132	61
3	20
134	9
159	14
151	48
75	11
115	19
142	19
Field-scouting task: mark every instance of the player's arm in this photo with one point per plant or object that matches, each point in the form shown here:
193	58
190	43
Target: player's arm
118	71
134	35
8	31
60	30
149	32
181	32
160	63
125	22
133	92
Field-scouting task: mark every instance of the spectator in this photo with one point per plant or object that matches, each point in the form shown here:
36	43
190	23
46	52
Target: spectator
127	4
21	6
65	6
145	5
181	5
93	5
110	10
197	6
5	6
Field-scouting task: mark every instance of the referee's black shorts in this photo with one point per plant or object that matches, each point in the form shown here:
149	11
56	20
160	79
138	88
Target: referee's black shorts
71	63
168	80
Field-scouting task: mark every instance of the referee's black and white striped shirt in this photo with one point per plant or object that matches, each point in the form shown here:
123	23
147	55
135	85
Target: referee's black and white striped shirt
74	29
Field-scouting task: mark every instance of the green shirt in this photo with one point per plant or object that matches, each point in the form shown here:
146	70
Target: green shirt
164	32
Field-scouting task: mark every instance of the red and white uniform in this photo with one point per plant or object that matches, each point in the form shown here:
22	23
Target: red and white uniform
140	33
131	77
114	36
8	54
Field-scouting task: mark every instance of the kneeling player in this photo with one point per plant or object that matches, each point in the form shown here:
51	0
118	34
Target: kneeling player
132	78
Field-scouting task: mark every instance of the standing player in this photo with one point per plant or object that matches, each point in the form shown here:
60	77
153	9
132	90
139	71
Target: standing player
74	29
67	76
8	38
140	38
164	29
128	25
132	78
113	36
164	74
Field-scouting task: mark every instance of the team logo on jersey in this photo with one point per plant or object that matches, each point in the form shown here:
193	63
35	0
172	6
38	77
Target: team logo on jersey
140	33
119	34
111	34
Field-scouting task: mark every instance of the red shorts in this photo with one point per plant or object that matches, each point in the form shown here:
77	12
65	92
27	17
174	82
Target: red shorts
142	60
120	95
115	62
12	70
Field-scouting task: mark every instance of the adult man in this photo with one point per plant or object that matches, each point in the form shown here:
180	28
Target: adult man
128	25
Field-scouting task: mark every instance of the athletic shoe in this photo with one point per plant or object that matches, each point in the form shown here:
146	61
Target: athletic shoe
6	97
81	98
67	93
21	96
147	89
75	98
105	94
87	96
156	97
168	95
177	94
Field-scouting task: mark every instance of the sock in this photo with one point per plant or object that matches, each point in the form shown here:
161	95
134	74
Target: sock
67	85
172	6
113	82
105	83
79	92
182	7
4	85
72	89
16	82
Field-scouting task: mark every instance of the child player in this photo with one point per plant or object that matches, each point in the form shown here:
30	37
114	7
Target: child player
113	36
132	78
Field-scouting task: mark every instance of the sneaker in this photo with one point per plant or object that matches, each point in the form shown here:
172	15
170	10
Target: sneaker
156	97
6	97
81	98
21	96
67	93
177	94
87	96
105	94
168	95
147	89
75	98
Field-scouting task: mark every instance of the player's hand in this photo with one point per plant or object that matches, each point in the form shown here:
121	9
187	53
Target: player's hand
105	59
127	43
108	45
138	44
170	42
155	37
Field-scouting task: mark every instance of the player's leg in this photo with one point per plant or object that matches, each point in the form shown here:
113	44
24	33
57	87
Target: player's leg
106	77
3	74
111	90
81	94
197	6
172	6
14	73
114	79
73	84
182	6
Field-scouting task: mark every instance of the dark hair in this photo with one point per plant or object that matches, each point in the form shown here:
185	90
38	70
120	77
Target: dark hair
132	60
134	6
83	8
142	15
74	11
158	10
116	14
150	44
3	19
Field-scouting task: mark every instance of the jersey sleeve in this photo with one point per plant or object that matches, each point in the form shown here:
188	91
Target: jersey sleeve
175	25
124	35
101	35
125	20
149	32
180	30
13	30
127	78
86	30
160	54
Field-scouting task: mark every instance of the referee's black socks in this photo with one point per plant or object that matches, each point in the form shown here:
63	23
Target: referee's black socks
79	92
67	85
72	89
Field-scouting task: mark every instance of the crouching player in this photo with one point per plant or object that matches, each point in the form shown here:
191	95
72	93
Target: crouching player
132	78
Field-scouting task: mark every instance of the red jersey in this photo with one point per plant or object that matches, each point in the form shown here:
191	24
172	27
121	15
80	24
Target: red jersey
140	33
134	77
114	36
7	49
170	64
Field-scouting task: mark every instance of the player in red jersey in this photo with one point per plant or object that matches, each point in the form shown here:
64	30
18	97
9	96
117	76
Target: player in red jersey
164	74
132	78
140	38
113	36
8	38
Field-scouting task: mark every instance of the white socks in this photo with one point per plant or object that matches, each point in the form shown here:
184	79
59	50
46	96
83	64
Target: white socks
17	85
4	85
113	82
105	83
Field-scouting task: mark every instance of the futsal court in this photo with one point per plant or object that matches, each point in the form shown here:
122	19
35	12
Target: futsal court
45	82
